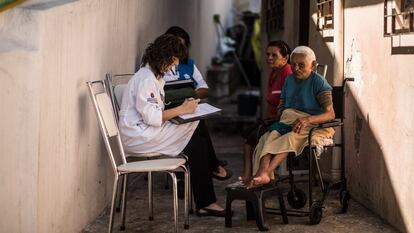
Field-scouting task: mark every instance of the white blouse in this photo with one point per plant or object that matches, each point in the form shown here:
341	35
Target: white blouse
140	118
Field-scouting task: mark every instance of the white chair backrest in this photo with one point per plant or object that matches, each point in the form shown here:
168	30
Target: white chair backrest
116	84
118	93
108	125
105	108
321	69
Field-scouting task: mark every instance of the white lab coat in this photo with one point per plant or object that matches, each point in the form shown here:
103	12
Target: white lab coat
140	118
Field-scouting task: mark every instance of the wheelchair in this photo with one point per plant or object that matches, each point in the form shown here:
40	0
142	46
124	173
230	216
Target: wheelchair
296	197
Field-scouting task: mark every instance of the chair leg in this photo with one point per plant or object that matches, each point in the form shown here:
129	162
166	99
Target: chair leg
186	197
175	199
282	206
111	216
124	200
150	201
167	184
119	197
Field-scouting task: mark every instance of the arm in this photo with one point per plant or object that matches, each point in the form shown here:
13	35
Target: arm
202	87
189	106
325	100
202	92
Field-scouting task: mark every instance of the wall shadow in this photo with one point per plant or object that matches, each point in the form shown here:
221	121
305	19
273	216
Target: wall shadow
369	181
368	178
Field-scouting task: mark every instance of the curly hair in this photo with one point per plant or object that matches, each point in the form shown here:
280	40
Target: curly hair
159	54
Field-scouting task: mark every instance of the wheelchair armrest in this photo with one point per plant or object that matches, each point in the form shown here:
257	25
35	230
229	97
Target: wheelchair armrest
333	123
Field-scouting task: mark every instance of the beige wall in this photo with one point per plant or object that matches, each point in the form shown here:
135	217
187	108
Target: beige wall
53	167
380	128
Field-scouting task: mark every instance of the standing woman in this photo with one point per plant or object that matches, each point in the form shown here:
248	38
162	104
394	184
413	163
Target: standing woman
277	59
144	125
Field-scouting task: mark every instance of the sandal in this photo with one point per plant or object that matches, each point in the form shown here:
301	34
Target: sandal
228	175
210	212
223	163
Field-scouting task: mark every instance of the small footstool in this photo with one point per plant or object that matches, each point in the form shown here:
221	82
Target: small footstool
255	200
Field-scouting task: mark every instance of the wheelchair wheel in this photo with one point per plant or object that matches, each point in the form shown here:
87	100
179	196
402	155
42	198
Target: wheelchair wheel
315	213
297	199
344	199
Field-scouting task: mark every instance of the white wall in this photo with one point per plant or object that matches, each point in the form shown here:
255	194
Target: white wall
380	128
53	167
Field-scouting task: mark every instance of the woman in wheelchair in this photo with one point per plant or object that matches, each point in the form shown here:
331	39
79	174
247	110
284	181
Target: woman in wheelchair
306	101
145	127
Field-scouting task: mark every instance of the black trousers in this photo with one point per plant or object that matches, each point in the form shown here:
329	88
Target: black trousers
202	161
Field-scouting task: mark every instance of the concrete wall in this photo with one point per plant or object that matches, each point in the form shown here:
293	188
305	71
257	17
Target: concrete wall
378	124
53	167
380	128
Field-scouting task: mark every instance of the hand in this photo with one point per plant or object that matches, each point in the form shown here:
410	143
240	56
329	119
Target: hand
190	105
300	124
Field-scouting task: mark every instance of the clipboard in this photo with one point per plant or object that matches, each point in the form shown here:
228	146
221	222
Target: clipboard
203	111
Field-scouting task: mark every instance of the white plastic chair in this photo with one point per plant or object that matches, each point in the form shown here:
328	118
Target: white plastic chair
110	133
115	86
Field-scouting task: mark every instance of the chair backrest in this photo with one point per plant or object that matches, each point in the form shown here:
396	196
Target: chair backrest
337	92
321	69
107	122
116	84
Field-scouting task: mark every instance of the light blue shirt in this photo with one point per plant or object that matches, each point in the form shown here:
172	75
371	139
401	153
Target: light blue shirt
302	94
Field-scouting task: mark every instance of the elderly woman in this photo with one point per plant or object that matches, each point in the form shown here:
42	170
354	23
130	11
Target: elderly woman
306	101
144	125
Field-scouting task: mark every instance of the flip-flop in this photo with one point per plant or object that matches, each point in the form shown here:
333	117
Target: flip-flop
223	163
229	174
210	212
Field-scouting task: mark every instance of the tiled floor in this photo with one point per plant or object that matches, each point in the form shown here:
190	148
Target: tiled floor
229	147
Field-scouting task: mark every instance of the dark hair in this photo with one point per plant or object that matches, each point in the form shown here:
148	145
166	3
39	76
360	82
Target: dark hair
284	48
180	32
160	53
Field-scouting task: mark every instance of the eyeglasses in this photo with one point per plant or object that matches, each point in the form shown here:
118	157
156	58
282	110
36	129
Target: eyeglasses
299	65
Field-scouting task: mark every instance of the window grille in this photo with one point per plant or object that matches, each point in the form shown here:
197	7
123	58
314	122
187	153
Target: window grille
325	16
398	17
275	15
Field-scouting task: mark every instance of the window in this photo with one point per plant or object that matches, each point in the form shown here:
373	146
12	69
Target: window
398	17
325	17
274	15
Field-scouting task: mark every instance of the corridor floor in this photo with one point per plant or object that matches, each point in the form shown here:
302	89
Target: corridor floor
229	147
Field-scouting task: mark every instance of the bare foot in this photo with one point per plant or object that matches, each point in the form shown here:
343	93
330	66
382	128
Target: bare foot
259	181
245	179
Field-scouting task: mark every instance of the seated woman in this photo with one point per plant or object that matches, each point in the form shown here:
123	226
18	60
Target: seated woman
306	101
186	69
144	125
277	58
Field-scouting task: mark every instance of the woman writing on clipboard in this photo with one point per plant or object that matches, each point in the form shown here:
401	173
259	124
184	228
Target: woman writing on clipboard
144	125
